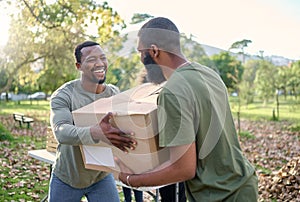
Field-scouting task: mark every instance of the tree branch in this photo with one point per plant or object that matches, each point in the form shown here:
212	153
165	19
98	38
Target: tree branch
37	18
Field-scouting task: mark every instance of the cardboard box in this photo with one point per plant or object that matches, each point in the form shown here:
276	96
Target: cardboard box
136	110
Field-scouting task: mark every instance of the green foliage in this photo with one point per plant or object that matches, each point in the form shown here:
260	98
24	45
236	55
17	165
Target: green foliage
294	81
294	127
284	76
138	18
263	170
42	38
3	76
229	68
265	80
246	86
126	71
5	134
247	135
240	47
194	51
124	65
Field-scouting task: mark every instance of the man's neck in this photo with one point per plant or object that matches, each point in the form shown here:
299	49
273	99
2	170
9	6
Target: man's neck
173	64
93	87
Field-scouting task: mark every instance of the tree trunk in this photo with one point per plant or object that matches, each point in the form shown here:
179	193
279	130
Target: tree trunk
277	102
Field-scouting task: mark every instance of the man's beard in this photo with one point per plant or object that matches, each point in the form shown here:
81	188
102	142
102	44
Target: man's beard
101	81
154	72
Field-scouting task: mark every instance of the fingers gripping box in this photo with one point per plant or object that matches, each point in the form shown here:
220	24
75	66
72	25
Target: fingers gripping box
135	111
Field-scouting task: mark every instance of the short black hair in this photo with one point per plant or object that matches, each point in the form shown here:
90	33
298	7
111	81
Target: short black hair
162	32
78	48
161	23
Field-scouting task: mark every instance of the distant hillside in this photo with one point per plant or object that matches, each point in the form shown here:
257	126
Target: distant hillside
131	44
210	50
276	60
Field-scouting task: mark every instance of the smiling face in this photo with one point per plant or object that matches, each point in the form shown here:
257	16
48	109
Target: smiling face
93	65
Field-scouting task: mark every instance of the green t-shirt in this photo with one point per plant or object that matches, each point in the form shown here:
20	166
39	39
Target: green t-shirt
69	166
194	107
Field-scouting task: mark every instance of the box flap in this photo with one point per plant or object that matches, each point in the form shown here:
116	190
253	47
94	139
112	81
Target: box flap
135	111
128	102
102	158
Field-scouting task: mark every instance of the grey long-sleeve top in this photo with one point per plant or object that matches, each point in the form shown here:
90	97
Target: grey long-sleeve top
69	166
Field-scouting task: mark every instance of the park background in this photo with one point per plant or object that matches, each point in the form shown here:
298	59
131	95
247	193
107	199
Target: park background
38	57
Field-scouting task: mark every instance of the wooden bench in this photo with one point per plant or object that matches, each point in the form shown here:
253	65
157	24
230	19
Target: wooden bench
23	119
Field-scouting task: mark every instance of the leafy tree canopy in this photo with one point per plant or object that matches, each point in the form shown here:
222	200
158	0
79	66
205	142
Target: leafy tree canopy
42	38
229	68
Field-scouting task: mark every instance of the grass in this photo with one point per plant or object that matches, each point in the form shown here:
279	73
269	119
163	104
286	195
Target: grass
247	135
263	170
289	110
39	109
5	134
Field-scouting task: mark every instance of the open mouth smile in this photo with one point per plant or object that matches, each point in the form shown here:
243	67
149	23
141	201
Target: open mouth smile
100	71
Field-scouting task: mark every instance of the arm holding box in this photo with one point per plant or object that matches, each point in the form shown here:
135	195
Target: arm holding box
180	167
67	133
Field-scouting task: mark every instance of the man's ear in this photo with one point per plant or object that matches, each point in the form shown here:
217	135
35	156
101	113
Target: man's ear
154	51
78	65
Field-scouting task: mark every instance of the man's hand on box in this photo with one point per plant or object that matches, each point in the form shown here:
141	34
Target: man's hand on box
104	131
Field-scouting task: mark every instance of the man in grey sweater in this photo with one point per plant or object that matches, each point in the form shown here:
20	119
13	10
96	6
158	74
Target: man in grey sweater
70	181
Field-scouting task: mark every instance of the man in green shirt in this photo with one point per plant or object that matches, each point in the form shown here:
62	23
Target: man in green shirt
195	124
70	181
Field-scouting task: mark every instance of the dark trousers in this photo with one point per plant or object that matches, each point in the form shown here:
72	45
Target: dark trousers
168	193
138	195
